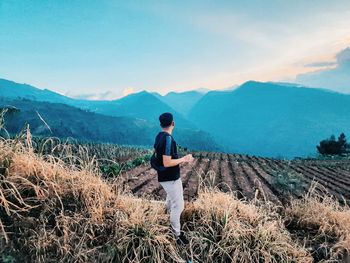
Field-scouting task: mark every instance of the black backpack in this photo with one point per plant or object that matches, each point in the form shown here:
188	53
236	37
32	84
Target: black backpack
155	164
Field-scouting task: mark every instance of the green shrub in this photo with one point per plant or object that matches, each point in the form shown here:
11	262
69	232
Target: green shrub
288	182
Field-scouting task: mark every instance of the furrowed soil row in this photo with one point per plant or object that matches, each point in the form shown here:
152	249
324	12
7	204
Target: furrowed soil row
211	155
219	173
236	157
142	180
326	162
234	176
150	185
191	177
244	174
243	180
192	184
325	181
273	166
265	169
213	173
224	156
321	177
188	173
263	184
134	173
341	172
311	177
330	175
305	178
265	172
228	182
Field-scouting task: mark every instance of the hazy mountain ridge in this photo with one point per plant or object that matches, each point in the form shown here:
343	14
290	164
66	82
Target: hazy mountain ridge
143	105
11	89
67	121
182	102
271	119
268	119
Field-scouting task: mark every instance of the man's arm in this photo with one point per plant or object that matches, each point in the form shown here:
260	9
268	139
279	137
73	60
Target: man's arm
168	161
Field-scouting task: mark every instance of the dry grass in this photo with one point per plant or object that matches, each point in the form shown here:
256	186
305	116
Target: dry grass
51	211
327	221
225	229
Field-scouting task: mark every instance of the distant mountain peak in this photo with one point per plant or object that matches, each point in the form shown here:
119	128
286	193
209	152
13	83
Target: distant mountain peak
256	85
194	91
143	93
251	82
181	92
202	90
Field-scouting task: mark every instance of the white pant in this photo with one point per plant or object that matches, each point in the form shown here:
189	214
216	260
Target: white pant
174	202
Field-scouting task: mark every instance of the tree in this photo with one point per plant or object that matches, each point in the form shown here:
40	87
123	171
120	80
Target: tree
332	146
342	143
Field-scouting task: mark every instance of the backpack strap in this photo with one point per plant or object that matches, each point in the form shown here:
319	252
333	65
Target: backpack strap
155	148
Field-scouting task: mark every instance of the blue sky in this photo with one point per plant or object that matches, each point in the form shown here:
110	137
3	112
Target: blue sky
110	48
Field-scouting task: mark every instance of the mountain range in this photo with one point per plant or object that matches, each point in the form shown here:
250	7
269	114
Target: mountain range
259	118
130	120
272	119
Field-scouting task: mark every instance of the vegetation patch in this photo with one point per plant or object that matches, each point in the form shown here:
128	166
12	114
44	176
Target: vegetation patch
54	210
288	182
322	224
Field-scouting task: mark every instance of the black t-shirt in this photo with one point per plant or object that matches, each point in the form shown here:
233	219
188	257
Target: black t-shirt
165	145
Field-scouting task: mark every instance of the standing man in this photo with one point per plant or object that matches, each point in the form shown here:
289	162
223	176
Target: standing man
169	173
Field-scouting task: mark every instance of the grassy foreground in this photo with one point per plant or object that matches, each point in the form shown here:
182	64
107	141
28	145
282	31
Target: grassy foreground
54	211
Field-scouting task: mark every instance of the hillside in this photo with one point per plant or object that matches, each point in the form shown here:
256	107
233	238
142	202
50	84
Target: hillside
66	121
252	178
266	119
182	102
52	211
142	105
13	90
271	119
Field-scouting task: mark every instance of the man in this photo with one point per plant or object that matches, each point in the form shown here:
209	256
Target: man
169	176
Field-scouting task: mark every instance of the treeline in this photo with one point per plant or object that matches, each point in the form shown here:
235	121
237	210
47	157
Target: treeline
333	146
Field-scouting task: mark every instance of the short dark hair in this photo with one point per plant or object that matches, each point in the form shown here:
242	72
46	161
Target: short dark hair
166	119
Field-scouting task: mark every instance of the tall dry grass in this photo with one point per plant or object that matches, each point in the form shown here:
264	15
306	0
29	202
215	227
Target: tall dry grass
326	223
225	229
54	211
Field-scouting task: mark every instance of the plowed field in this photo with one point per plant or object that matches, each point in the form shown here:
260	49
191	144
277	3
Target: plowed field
250	177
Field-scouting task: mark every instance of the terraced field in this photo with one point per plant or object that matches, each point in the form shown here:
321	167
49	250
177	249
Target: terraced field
250	177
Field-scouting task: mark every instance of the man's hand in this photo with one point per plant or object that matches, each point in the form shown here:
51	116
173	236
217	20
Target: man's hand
188	158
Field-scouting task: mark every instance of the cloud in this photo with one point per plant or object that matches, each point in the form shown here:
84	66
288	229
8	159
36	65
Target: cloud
321	64
343	57
128	91
108	95
336	78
